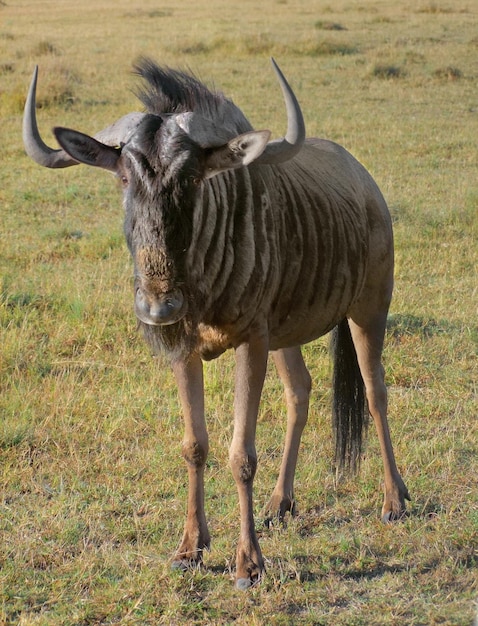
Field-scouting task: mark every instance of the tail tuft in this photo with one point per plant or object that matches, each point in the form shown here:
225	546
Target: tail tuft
349	409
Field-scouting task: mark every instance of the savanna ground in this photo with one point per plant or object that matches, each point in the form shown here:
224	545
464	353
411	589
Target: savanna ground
93	484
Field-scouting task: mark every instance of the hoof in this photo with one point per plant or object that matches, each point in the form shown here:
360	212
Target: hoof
243	584
270	520
276	511
184	565
180	566
390	517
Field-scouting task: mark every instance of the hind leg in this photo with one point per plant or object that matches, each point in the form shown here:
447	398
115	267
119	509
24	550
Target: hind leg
368	334
297	383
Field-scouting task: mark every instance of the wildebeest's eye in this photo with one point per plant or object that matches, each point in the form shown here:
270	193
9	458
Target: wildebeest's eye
123	179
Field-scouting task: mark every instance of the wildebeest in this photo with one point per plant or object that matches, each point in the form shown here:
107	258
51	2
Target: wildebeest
257	245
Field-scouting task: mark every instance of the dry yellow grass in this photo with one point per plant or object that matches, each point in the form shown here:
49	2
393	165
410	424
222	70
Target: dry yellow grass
93	485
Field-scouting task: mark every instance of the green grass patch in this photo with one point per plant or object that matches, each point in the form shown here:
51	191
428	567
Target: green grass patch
45	47
448	73
387	71
264	44
326	25
93	485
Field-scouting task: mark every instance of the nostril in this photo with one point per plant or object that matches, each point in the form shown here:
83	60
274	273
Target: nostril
175	301
140	302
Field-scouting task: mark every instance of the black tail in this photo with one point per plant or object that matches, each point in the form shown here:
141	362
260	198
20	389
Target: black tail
349	409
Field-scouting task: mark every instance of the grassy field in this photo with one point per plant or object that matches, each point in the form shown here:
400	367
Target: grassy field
93	485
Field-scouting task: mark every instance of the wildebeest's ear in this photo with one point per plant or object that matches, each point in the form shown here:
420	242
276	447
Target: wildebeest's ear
85	149
238	152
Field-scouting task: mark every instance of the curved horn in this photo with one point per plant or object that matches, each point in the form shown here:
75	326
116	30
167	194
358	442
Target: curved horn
115	135
35	147
281	150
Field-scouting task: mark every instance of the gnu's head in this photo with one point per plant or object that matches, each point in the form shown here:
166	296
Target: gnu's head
161	168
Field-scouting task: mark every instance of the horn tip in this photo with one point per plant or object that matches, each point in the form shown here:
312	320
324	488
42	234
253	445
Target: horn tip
277	69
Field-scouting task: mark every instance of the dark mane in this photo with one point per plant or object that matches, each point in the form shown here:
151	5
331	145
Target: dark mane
169	91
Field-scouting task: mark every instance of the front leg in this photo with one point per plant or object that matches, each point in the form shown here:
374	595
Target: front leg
189	377
251	363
